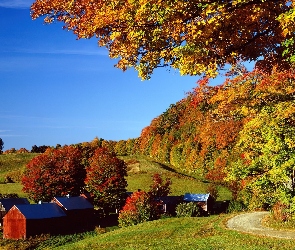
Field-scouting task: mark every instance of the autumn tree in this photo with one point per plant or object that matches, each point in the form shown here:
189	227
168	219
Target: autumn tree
57	172
1	146
159	187
193	36
39	149
120	148
144	206
105	179
267	149
139	207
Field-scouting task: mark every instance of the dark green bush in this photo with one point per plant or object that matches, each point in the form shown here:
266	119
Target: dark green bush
236	206
189	209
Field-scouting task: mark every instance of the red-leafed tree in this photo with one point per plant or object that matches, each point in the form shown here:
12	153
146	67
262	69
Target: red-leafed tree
144	206
139	207
159	187
56	172
105	179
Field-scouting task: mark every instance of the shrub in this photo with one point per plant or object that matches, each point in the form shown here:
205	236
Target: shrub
213	191
14	176
189	209
139	207
281	212
159	188
236	206
144	206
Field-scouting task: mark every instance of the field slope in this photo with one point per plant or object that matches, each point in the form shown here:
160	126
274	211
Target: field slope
180	233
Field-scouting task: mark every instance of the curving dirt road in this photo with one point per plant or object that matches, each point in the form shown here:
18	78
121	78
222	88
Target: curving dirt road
251	223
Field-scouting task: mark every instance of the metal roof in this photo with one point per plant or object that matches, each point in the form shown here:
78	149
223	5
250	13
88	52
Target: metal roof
73	203
41	211
170	199
8	203
196	197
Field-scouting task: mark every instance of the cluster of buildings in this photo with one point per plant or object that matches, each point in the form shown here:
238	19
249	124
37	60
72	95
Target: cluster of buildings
66	215
63	215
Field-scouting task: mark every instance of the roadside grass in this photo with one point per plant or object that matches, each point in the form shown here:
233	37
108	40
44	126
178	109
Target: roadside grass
269	221
180	233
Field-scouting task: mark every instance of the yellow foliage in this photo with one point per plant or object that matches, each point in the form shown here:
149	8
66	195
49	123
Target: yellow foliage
194	37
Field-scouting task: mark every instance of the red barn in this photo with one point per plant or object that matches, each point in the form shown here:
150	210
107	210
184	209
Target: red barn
7	203
79	211
23	221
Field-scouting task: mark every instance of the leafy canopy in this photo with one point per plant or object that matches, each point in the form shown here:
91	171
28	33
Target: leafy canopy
57	172
1	145
195	37
105	179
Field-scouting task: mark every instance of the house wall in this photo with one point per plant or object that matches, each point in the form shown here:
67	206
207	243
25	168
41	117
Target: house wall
80	220
52	226
14	225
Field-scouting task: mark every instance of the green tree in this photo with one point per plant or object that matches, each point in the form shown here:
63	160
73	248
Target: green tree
1	146
266	165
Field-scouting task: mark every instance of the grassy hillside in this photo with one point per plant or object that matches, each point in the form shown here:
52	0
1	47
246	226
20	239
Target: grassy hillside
140	172
179	233
141	169
12	162
12	165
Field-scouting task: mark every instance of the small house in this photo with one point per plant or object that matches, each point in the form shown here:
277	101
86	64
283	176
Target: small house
204	201
88	196
79	211
25	220
7	203
169	204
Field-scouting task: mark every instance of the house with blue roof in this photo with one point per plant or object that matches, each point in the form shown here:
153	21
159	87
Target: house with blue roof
7	203
25	220
79	211
204	201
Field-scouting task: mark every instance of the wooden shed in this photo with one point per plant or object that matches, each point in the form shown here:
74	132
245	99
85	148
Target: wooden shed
23	221
79	211
204	201
7	203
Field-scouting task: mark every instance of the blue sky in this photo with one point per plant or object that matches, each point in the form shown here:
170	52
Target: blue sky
55	89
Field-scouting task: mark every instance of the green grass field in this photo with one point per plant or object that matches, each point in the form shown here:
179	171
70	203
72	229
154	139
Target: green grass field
13	165
140	177
179	233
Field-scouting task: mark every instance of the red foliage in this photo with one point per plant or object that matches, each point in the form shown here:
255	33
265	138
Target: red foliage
105	179
56	172
139	207
159	188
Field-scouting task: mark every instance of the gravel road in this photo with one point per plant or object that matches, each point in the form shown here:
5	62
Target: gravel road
251	223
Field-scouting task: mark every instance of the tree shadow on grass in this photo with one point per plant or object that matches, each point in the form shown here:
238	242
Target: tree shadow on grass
180	174
109	220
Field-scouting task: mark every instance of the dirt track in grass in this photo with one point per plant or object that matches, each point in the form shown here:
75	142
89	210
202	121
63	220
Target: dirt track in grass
251	223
